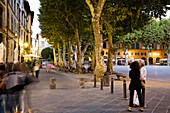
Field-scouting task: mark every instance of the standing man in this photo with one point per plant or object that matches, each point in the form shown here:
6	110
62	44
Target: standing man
143	77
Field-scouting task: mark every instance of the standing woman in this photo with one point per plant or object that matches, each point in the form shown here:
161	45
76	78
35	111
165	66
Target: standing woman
36	69
135	84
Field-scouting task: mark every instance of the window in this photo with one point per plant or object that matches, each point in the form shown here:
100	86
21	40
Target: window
12	26
118	53
42	44
8	18
158	60
18	10
27	38
137	54
143	54
15	6
137	45
15	25
158	46
12	4
1	17
132	46
106	53
131	53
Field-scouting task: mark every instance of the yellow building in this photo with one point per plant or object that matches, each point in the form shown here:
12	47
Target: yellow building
137	51
15	26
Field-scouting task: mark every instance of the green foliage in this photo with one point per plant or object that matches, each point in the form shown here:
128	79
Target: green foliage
47	52
49	58
151	34
31	64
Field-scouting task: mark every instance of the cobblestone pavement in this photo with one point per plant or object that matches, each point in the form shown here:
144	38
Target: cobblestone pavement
68	98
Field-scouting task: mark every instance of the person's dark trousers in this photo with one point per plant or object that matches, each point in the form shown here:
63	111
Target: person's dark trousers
37	73
139	97
143	94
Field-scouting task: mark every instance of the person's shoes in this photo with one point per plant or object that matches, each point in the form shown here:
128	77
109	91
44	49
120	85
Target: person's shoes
135	105
141	110
129	109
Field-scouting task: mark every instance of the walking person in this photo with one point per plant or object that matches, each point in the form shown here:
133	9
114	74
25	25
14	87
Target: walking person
2	90
135	84
36	69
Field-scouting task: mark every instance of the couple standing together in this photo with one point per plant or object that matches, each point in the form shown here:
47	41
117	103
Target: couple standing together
137	74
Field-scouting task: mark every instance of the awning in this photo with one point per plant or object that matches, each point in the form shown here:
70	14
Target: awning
31	55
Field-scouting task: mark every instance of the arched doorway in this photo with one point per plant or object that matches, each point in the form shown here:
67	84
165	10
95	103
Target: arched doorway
157	60
150	60
143	58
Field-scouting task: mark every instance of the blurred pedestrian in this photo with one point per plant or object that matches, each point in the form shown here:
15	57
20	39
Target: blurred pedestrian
36	69
135	84
49	67
2	90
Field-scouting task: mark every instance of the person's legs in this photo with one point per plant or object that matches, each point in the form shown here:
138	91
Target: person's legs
2	107
131	98
143	96
37	73
140	98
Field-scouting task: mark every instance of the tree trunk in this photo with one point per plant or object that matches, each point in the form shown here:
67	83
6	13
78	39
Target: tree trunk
126	57
168	53
110	55
59	55
55	63
148	57
69	54
93	55
78	63
99	69
96	11
64	49
84	50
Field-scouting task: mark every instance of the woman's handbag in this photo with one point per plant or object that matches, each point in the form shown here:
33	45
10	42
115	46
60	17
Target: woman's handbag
142	84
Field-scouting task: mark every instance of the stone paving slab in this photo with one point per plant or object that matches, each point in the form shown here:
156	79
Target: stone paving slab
68	98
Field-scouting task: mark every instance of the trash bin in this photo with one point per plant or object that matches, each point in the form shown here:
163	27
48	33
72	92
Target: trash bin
52	83
106	79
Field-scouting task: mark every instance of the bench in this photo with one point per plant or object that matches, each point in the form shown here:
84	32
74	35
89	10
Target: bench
120	75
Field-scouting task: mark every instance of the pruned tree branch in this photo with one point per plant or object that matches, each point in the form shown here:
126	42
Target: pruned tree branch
89	3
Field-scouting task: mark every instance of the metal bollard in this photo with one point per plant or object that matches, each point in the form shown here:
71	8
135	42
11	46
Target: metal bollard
124	89
102	82
94	81
112	85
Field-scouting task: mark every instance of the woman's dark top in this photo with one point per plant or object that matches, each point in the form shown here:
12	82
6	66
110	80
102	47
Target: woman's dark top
135	83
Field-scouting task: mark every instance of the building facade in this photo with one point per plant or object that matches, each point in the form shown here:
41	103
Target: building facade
137	51
15	27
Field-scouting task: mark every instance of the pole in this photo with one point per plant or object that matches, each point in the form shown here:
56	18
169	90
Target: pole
124	89
143	95
112	85
7	35
94	81
102	82
19	51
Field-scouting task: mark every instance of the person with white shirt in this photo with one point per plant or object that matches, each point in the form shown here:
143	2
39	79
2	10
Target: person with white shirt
36	69
143	77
